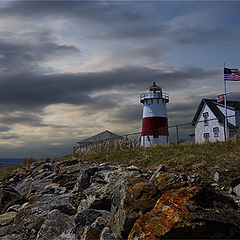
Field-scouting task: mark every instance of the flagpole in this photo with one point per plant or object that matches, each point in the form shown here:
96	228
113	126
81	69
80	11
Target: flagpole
225	105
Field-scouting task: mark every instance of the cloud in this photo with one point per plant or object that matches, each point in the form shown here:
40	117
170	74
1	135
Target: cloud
97	12
8	137
26	51
4	128
23	118
29	90
126	114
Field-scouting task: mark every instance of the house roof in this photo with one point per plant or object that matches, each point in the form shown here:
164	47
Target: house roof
212	104
100	137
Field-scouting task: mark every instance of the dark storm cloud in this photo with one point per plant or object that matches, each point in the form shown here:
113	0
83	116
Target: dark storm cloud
8	137
128	22
29	90
4	129
98	12
22	118
202	34
147	30
184	106
127	114
24	55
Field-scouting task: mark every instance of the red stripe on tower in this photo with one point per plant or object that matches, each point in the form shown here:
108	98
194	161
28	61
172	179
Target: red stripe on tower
156	126
155	121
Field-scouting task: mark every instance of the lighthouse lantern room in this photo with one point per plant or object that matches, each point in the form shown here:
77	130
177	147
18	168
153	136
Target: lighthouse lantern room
155	121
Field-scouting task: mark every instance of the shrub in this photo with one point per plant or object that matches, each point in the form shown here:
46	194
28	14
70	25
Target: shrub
28	161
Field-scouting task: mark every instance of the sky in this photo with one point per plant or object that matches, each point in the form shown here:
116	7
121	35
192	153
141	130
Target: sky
71	69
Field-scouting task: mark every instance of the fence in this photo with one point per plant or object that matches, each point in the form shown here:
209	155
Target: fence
178	133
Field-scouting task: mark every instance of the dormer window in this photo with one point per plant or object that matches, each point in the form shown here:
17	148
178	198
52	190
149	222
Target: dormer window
205	116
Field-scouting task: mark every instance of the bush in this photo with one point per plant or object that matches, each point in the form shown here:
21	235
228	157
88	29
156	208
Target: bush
28	161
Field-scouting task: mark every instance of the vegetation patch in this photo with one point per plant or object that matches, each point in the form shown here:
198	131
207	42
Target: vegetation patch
202	159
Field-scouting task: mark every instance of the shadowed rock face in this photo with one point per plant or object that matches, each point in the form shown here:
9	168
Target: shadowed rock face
132	197
83	200
190	212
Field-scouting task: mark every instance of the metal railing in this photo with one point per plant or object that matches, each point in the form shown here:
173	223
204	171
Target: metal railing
156	95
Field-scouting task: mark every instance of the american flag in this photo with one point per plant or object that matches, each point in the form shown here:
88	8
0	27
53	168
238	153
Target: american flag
231	74
220	98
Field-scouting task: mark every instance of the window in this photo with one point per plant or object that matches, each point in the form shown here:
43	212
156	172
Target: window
205	116
216	131
206	136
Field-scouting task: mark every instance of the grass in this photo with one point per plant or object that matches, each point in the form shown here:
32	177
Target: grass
4	171
202	159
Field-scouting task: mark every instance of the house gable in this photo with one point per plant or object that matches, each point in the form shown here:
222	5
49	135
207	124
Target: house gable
213	130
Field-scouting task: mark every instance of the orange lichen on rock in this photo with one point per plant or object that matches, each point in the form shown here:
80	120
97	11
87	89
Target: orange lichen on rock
140	194
170	211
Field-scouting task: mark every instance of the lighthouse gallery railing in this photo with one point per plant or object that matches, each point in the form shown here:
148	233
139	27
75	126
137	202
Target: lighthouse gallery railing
159	95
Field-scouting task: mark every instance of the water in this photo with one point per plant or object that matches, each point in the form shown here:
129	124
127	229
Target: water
10	161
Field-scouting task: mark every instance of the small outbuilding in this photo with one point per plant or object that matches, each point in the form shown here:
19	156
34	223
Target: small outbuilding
209	120
102	136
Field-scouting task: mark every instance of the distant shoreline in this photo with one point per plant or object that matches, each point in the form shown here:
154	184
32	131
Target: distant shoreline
10	161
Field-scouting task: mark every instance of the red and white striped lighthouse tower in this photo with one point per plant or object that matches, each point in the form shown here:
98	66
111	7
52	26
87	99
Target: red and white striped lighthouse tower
155	121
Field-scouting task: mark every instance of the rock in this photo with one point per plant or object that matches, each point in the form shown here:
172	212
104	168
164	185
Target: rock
55	225
29	217
3	231
7	237
72	199
94	231
190	212
9	197
83	180
48	202
14	208
183	178
108	234
23	186
236	190
216	176
35	225
37	186
132	197
67	235
160	169
6	218
86	218
195	179
215	185
235	182
167	181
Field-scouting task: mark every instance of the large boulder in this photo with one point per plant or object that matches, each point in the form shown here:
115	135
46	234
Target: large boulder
55	225
84	223
190	212
9	197
132	197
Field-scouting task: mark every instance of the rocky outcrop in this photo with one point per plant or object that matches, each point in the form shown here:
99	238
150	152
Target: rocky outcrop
71	199
189	212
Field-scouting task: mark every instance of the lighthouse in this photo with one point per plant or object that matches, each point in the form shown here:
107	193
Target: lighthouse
155	121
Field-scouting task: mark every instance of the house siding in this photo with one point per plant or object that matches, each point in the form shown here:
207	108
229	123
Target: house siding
230	112
200	129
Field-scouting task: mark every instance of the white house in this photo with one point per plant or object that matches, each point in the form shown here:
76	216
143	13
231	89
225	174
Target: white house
213	130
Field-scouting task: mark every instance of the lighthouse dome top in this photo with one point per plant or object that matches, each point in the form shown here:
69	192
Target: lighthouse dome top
154	88
155	92
154	85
